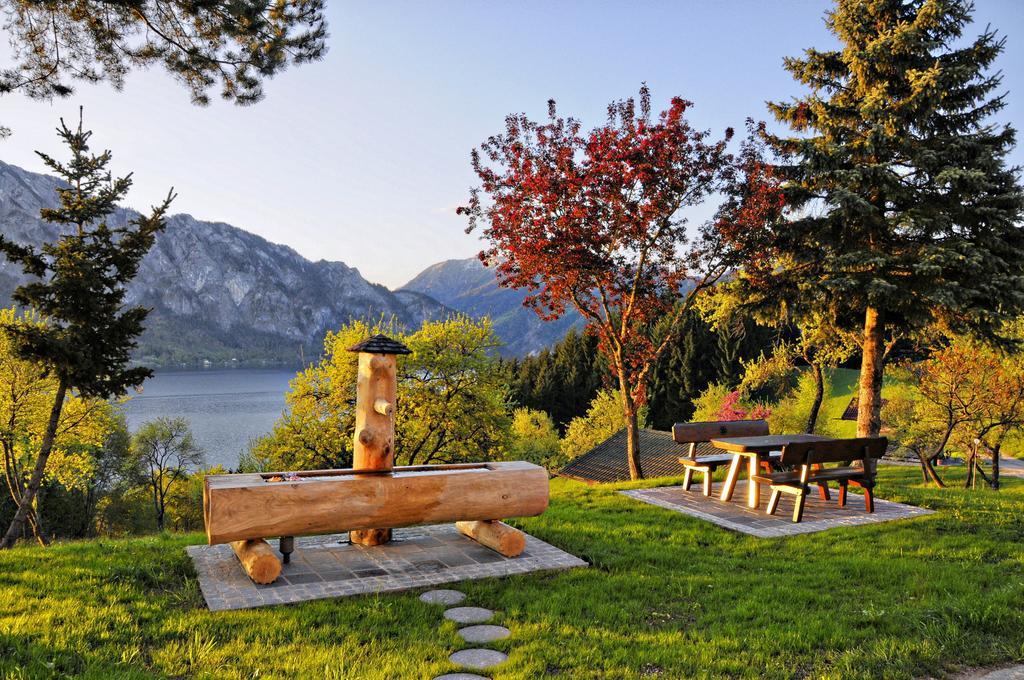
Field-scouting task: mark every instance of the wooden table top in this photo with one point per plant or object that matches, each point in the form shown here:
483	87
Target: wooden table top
764	444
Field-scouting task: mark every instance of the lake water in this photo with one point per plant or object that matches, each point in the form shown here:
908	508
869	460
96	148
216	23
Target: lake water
225	408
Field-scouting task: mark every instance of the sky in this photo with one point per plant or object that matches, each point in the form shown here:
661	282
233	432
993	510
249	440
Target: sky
364	156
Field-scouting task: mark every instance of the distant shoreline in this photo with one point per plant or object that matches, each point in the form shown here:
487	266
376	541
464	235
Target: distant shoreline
221	365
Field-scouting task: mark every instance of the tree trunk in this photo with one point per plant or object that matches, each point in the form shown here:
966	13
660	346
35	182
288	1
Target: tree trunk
633	446
819	396
928	470
14	530
160	505
995	467
869	400
632	430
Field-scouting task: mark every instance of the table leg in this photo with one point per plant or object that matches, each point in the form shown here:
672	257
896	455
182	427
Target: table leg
730	479
753	488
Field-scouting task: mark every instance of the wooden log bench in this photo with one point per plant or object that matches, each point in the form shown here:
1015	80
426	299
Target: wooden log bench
245	509
810	460
701	433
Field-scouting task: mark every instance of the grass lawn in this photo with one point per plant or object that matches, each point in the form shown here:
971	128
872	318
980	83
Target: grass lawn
667	596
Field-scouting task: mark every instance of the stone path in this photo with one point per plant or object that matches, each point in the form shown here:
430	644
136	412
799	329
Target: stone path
475	658
469	614
478	634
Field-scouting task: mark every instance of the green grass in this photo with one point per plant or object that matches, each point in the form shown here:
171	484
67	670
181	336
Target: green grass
667	596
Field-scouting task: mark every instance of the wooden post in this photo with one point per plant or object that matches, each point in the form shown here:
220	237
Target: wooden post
374	437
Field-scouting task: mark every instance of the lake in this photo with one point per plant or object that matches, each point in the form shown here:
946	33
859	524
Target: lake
225	408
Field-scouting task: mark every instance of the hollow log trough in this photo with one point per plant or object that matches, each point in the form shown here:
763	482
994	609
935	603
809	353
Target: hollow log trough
373	497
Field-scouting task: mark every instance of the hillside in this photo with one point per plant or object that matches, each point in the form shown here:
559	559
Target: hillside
469	287
217	292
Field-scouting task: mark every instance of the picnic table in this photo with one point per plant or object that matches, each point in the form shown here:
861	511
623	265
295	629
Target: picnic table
755	449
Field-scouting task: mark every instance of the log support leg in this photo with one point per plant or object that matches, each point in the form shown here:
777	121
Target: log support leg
286	544
370	537
773	501
495	535
842	494
708	479
258	560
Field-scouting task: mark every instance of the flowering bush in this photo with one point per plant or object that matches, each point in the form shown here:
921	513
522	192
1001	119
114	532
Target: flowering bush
718	402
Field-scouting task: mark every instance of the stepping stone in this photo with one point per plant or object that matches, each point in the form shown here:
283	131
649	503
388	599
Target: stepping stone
468	614
442	597
478	658
461	676
478	634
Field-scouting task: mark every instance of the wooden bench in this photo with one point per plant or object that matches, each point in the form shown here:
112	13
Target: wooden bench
810	458
702	432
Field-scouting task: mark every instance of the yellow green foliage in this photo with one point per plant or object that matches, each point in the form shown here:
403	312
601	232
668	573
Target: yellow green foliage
603	419
452	400
708	405
534	438
790	414
26	397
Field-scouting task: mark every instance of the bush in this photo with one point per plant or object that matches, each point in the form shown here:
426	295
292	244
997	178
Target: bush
604	418
185	500
718	402
789	416
534	438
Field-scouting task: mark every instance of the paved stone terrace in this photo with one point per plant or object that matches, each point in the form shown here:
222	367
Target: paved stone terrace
328	566
819	515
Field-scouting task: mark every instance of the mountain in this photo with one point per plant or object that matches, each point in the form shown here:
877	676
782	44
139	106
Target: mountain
471	288
219	293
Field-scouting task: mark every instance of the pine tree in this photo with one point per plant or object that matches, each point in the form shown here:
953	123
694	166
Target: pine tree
78	289
561	380
236	44
901	211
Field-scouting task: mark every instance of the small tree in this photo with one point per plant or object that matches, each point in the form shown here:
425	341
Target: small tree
534	438
452	400
603	419
595	221
78	289
901	212
966	394
163	452
997	383
26	395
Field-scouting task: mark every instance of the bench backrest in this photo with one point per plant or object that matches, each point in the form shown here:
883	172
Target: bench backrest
696	433
834	451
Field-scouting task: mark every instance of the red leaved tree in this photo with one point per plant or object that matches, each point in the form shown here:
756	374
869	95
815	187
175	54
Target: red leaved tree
595	221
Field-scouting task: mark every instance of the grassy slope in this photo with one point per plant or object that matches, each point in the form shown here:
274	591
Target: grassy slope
667	595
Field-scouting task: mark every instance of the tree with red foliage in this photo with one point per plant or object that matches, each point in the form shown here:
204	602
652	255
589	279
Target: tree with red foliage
595	221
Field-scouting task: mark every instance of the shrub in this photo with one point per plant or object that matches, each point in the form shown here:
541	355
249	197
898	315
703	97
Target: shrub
534	438
604	418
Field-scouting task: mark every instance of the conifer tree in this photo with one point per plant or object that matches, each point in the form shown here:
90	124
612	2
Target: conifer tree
78	288
201	43
900	211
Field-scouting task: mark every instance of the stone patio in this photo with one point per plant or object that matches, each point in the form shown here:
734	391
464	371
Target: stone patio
328	566
819	515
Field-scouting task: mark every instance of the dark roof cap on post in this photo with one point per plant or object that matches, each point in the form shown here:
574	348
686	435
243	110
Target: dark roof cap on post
380	344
